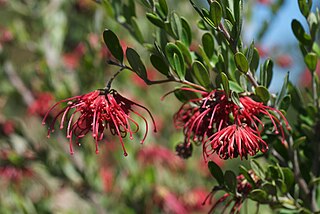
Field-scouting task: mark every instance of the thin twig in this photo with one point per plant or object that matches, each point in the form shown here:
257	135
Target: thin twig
154	82
296	169
234	49
16	81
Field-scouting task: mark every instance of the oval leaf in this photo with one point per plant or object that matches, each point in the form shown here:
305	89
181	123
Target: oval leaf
230	180
159	64
215	13
164	7
186	32
225	83
201	73
113	44
216	172
154	19
241	62
259	195
300	33
136	63
262	93
311	61
208	44
185	51
257	168
176	25
176	60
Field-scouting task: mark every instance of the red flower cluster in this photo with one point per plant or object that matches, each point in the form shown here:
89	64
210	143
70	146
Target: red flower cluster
14	172
96	112
41	104
225	128
160	156
243	190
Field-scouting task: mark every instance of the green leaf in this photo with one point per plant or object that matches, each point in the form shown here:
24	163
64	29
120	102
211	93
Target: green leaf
208	44
230	181
225	83
185	51
288	177
266	73
305	6
282	186
184	96
311	61
296	97
300	33
257	168
234	86
262	93
241	62
235	98
269	188
154	19
299	141
148	3
229	16
201	73
136	63
255	60
108	8
164	7
216	172
238	14
176	25
113	44
186	32
285	103
269	73
246	174
274	172
259	195
215	13
176	60
283	90
159	64
249	52
137	32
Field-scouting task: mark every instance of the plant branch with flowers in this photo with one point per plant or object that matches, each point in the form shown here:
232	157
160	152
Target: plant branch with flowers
227	107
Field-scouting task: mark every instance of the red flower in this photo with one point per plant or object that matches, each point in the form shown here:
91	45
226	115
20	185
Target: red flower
96	112
41	104
243	190
159	155
14	167
224	127
14	174
8	127
284	61
72	59
250	111
107	177
194	199
198	116
169	201
233	141
265	2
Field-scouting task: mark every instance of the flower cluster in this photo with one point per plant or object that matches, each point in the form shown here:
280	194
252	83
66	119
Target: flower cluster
243	190
225	128
14	167
96	112
160	156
